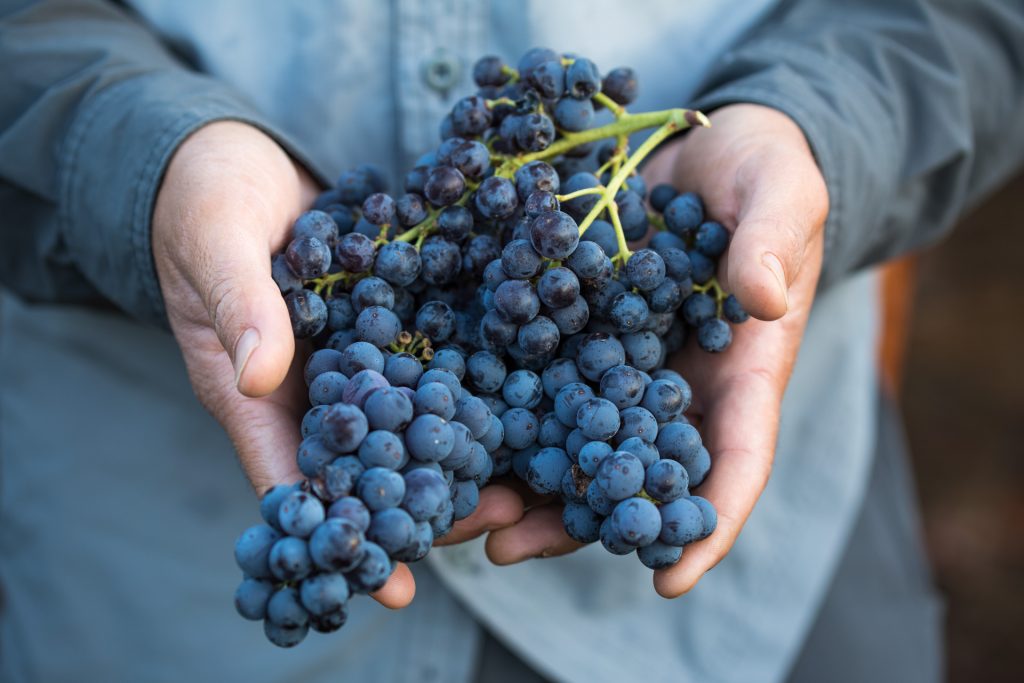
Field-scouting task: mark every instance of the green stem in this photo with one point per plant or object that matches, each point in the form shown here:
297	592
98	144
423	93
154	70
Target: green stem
579	193
620	235
610	104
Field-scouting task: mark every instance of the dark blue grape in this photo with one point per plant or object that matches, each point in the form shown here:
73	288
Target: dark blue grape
548	78
359	356
623	386
554	235
252	549
286	280
398	263
429	438
496	198
372	291
351	509
666	480
450	359
316	224
522	389
319	362
612	540
299	514
411	209
598	419
682	522
482	250
545	469
551	432
714	335
557	374
684	214
643	350
698	309
380	488
465	498
516	301
379	209
441	261
285	610
487	371
416	179
664	399
637	521
702	267
494	437
436	399
520	261
472	159
455	223
659	555
533	58
388	409
311	420
598	500
289	559
645	269
308	257
336	481
574	115
539	336
620	85
603	234
591	455
644	450
709	514
271	501
313	455
372	572
490	70
535	132
251	598
341	315
307	312
632	214
442	524
324	594
283	636
361	385
597	353
580	206
628	312
354	253
535	176
661	195
620	475
496	331
445	377
712	239
582	79
733	311
392	529
343	216
378	326
343	427
470	116
436	320
540	201
568	401
665	298
521	428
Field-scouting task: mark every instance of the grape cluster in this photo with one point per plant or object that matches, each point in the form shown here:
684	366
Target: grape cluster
490	321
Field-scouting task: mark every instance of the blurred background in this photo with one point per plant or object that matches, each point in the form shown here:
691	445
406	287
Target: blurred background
962	392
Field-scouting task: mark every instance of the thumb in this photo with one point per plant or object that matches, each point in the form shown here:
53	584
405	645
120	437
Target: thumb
250	317
777	227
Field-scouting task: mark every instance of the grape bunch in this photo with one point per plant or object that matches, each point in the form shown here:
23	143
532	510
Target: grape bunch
492	321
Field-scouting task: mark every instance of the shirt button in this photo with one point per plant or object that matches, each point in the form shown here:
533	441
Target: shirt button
442	72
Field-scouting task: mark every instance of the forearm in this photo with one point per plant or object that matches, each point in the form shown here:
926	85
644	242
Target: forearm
911	108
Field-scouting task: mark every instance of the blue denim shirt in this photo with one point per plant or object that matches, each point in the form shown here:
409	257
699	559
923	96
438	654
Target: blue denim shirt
125	562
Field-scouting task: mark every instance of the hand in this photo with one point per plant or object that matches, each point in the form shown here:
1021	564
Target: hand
757	176
227	202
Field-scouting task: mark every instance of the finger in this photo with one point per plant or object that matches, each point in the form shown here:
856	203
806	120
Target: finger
400	589
539	534
247	311
741	428
780	216
499	507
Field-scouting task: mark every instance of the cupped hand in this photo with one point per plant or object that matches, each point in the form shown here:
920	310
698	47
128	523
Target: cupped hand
226	203
757	176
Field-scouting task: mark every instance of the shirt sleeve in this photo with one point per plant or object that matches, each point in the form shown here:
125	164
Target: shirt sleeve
92	107
912	109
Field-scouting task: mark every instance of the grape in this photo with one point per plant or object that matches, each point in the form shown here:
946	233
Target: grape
711	240
620	85
486	371
620	475
558	287
714	335
434	398
591	455
490	71
343	427
252	550
392	529
665	481
307	312
733	311
519	260
377	325
359	356
465	498
286	280
324	594
271	502
522	389
383	449
398	263
664	399
702	268
352	510
451	360
411	209
569	400
521	428
299	514
659	555
684	214
372	572
535	132
636	521
538	202
551	432
612	541
539	336
681	522
645	269
372	291
496	198
643	350
289	559
380	488
574	115
516	301
632	215
429	438
404	369
251	598
313	455
545	469
308	257
661	195
474	414
644	450
628	312
582	79
709	514
441	261
455	223
554	235
597	353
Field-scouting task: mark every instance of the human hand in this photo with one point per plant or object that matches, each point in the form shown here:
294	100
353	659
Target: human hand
757	176
227	202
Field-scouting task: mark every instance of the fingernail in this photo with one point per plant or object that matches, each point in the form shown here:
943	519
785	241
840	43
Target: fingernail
246	344
772	263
